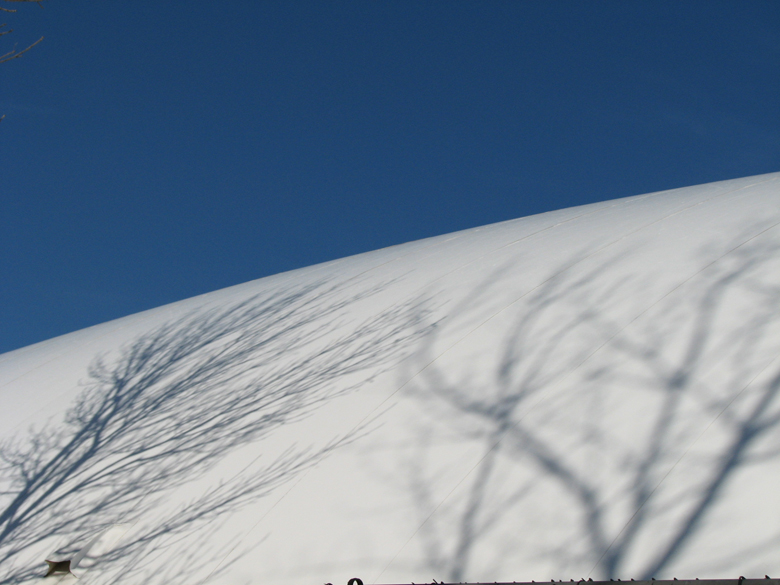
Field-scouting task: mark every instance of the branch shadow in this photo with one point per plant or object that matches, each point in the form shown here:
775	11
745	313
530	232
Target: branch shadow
167	409
607	431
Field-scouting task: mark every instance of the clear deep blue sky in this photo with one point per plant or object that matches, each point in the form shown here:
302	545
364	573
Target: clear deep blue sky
153	151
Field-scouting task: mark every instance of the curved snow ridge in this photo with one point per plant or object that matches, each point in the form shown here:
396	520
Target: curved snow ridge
585	392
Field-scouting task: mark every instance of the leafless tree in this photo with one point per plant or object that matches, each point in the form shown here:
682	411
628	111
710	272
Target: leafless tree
14	53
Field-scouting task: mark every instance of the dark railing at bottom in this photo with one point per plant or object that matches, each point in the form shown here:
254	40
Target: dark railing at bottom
767	580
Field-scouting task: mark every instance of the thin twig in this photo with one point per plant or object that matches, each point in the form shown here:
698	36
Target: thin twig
13	54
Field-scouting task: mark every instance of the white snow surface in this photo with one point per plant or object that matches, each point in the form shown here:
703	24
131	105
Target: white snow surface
586	392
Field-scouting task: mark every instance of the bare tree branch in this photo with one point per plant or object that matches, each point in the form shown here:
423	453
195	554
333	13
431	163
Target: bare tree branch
13	53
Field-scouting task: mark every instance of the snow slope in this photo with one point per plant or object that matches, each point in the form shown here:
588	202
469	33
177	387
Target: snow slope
586	392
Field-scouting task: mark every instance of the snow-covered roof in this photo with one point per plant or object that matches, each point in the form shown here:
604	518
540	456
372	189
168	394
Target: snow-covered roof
585	393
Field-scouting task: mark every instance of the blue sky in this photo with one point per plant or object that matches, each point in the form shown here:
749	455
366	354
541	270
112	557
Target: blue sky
156	151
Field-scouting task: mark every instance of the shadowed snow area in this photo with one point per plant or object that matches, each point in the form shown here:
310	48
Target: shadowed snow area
591	392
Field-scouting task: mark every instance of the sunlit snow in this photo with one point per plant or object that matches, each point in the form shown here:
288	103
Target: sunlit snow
586	392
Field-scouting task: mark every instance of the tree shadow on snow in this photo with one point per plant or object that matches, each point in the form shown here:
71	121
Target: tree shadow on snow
167	409
609	423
